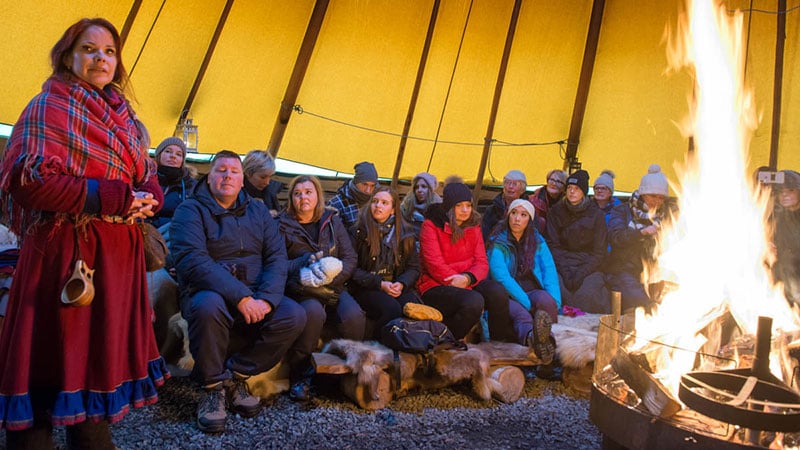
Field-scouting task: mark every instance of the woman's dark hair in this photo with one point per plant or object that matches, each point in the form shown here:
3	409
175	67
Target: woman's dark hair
290	209
66	45
526	246
458	230
368	222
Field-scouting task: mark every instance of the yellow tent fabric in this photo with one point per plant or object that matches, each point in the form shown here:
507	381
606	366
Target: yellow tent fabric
357	89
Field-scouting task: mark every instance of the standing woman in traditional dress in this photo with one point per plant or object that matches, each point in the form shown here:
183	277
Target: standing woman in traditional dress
74	177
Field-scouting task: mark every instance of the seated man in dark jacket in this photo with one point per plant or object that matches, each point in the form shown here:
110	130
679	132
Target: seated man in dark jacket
231	264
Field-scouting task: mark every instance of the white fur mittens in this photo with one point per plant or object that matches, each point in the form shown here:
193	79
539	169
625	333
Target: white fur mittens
321	272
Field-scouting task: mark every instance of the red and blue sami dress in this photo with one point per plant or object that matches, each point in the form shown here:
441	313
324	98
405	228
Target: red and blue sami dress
66	362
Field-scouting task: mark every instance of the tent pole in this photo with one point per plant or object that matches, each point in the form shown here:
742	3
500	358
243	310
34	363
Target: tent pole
423	59
126	28
579	109
207	59
777	86
498	90
298	73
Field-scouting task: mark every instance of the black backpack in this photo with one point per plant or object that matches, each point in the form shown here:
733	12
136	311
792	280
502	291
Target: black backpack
415	336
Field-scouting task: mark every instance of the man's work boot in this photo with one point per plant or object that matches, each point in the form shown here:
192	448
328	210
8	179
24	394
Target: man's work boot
211	415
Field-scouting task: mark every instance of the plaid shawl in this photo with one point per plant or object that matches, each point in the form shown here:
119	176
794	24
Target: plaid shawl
73	129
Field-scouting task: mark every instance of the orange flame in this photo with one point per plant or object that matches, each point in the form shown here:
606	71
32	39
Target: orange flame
717	248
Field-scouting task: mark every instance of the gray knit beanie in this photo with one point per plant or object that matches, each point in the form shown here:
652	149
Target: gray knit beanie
606	179
655	182
171	141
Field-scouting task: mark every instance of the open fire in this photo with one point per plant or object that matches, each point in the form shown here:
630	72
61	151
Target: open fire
714	256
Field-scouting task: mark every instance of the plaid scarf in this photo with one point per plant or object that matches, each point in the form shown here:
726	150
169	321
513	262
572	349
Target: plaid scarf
73	129
642	216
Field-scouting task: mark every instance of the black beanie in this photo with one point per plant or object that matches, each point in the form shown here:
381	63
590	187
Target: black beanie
455	193
365	172
580	179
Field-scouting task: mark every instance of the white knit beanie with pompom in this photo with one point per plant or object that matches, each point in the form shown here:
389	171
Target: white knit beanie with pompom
655	182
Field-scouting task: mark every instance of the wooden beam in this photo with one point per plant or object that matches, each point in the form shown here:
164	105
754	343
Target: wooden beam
126	28
498	90
777	86
584	82
423	59
298	74
207	59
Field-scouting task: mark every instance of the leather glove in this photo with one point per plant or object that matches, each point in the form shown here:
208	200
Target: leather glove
325	294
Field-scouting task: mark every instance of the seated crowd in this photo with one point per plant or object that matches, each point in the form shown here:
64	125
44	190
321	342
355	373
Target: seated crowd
259	282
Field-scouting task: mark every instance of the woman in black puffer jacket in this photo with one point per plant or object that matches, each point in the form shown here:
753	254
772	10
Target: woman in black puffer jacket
388	262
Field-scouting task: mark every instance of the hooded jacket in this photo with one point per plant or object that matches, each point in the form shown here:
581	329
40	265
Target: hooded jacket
333	241
440	258
371	271
235	252
503	266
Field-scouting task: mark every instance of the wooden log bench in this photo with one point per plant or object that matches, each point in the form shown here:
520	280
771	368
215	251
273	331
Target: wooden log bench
368	375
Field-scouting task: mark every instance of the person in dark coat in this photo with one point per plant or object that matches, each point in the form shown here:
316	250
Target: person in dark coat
312	232
633	232
547	196
786	235
577	231
231	265
259	167
388	263
176	180
514	184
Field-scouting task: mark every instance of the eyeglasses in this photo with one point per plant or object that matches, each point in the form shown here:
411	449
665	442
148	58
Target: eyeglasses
555	181
601	189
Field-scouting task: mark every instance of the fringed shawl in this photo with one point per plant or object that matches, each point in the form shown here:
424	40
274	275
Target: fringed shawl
73	129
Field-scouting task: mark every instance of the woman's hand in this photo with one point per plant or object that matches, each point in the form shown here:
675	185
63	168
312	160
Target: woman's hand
458	280
393	289
142	206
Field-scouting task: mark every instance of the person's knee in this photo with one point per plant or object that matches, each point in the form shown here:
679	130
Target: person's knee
206	305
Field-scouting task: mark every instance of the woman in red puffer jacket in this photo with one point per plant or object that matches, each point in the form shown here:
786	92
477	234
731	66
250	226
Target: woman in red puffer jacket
455	268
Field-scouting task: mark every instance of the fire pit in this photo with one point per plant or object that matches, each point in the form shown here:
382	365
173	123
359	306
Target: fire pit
730	409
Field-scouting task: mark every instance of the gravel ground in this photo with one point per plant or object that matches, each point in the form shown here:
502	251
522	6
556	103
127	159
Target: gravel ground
547	416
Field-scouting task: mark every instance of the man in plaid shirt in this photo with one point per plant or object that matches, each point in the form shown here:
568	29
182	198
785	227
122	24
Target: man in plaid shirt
354	194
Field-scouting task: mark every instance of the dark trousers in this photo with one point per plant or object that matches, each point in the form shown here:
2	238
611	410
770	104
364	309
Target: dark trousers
592	296
461	308
496	301
631	289
348	318
381	307
542	300
211	324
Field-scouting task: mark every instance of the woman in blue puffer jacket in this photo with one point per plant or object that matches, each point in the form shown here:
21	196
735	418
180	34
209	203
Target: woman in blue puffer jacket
520	261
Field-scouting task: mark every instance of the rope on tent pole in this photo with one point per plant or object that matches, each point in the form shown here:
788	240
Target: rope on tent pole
146	38
449	86
299	110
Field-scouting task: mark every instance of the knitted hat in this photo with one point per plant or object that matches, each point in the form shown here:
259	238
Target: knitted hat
525	204
455	193
516	175
429	179
365	173
606	179
171	141
791	180
321	272
655	182
580	179
558	174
